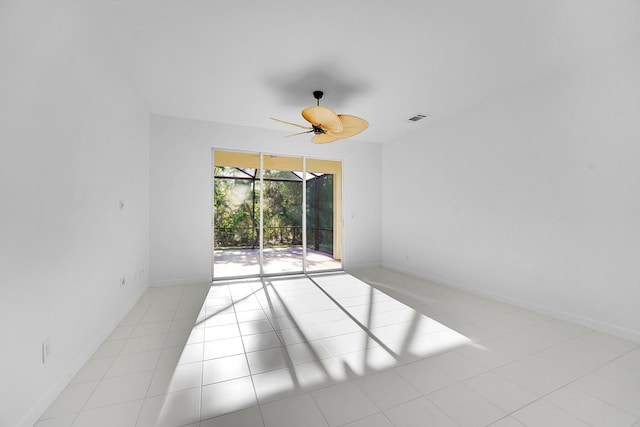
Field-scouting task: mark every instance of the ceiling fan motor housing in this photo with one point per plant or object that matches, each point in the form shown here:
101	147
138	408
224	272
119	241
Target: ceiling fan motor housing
317	129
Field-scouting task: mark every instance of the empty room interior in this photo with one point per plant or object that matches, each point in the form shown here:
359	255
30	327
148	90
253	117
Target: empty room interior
356	213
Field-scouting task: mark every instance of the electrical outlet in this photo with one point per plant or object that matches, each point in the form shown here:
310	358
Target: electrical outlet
123	282
46	351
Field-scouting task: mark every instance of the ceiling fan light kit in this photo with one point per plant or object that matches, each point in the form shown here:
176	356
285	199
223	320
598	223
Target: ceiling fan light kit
326	125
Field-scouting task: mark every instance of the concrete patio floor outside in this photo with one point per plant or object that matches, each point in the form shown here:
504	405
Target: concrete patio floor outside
245	262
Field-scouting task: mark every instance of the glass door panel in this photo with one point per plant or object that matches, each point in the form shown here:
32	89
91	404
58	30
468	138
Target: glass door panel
282	201
236	216
324	220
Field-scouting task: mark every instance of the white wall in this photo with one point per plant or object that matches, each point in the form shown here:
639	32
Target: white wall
73	142
533	198
180	206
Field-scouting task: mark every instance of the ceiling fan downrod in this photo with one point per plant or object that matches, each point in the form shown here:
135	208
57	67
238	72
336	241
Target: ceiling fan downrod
317	94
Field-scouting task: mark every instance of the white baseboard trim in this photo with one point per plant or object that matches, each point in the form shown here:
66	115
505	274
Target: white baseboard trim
43	404
178	282
616	330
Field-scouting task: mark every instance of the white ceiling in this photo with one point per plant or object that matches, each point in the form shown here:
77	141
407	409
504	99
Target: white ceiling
241	61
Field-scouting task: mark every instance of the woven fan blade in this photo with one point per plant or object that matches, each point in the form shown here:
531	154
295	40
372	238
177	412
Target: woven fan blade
323	117
323	138
352	125
300	133
292	124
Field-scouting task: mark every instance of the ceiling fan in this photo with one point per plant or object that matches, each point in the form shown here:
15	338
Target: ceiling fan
326	125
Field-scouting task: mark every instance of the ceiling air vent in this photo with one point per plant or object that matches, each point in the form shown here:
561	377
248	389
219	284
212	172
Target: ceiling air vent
417	117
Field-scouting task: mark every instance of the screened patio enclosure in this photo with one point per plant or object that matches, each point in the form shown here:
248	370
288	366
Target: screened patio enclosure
275	214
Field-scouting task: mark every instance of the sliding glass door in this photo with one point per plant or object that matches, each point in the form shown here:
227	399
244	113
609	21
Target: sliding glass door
275	214
323	209
236	215
282	217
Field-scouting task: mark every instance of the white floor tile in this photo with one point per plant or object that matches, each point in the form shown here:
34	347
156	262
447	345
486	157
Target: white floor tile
251	316
322	373
154	328
344	403
62	421
589	409
121	415
572	359
196	335
246	418
377	420
71	400
348	343
437	343
529	378
512	321
120	389
228	396
630	361
133	363
255	327
181	377
498	351
247	305
501	392
222	348
94	369
425	376
507	422
146	343
177	338
262	341
307	352
268	360
369	361
387	389
300	410
465	406
192	353
121	333
133	318
109	349
225	368
221	332
457	365
419	413
220	320
552	332
278	384
543	414
169	357
296	335
171	410
280	320
617	393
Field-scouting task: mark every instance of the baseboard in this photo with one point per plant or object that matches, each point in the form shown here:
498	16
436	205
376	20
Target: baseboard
36	412
178	282
616	330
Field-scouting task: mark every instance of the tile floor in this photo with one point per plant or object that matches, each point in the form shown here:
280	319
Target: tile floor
331	350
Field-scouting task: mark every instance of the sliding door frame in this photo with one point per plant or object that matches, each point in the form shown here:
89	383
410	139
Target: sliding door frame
338	222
